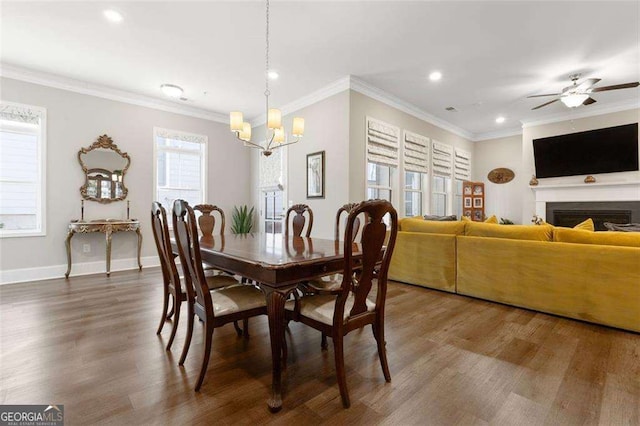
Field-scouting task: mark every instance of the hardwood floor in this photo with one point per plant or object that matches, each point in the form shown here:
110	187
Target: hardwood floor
89	343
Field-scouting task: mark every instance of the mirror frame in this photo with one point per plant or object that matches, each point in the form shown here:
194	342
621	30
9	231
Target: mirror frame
104	142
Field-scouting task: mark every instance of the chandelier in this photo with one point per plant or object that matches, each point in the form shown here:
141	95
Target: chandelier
275	136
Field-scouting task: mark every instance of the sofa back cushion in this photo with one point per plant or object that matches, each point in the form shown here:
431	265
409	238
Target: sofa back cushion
512	232
606	238
432	227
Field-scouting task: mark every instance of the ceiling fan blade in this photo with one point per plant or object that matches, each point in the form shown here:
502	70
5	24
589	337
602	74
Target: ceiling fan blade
586	84
589	101
616	87
540	96
545	104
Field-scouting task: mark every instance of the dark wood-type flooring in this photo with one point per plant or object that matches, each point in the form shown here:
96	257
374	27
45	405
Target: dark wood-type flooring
89	343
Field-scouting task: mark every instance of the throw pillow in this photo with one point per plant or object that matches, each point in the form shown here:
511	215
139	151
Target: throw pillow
492	219
466	219
607	238
441	218
587	225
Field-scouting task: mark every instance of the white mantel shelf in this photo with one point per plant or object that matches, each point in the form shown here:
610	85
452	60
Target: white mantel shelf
584	185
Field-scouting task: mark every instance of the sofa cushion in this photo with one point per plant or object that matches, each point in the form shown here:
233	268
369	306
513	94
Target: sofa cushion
491	219
432	227
513	232
587	225
606	238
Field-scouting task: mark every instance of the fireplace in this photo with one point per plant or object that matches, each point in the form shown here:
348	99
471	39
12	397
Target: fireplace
570	214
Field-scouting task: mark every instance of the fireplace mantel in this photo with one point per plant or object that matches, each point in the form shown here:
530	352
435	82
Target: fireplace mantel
599	191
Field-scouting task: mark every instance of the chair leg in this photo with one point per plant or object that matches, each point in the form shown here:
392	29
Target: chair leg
238	329
176	319
245	327
170	314
323	342
378	333
187	340
206	355
340	371
165	307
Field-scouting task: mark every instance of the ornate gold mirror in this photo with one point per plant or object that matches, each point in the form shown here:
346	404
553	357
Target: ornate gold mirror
104	167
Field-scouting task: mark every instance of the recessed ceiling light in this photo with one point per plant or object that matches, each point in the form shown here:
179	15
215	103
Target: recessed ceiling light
435	76
113	15
500	119
172	90
273	75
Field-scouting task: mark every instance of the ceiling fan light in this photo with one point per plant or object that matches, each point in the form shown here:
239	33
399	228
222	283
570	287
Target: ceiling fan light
171	90
574	100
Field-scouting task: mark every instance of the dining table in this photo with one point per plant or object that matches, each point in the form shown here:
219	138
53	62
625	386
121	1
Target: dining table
278	264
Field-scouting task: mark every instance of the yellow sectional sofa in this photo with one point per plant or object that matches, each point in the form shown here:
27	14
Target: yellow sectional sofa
591	276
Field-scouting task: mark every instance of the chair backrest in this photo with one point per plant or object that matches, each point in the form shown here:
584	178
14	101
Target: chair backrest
186	233
356	226
375	233
163	244
207	221
299	221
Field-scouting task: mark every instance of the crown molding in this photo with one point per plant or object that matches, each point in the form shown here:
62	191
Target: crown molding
584	113
314	97
404	106
497	134
105	92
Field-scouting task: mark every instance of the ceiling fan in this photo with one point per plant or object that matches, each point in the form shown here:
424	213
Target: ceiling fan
579	94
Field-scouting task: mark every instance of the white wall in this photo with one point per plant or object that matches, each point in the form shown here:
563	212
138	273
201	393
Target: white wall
76	120
564	127
503	200
326	129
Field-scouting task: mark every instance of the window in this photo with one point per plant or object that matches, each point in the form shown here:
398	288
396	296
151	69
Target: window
457	199
22	170
180	167
413	194
378	182
440	194
273	208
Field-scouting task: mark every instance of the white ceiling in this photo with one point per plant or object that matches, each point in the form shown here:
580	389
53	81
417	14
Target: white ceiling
492	54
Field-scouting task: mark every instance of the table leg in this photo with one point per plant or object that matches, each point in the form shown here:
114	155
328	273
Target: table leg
108	236
276	298
68	245
139	248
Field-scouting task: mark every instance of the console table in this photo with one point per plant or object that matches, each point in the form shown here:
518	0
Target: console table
107	227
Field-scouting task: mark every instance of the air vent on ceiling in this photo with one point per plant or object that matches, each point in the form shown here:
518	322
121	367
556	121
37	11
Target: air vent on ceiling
451	109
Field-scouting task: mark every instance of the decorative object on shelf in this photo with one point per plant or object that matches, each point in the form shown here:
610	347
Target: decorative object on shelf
505	221
477	203
501	175
275	135
589	179
315	175
537	220
242	220
104	167
533	181
467	202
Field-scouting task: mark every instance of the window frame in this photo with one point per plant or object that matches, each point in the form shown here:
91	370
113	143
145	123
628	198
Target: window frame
204	160
390	187
447	193
41	208
423	191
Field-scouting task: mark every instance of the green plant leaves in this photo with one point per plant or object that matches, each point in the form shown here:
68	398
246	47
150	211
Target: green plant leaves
242	220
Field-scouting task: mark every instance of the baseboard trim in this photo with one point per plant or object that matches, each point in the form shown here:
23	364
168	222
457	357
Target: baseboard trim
13	276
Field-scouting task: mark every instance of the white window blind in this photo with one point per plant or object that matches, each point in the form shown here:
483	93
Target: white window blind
383	140
462	164
180	167
441	158
22	169
416	153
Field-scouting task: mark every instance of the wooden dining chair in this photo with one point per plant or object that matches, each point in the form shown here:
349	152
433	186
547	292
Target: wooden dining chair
298	221
215	308
172	282
351	309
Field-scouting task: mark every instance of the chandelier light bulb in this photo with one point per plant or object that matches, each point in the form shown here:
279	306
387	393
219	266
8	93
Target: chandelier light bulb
274	118
298	127
574	100
235	121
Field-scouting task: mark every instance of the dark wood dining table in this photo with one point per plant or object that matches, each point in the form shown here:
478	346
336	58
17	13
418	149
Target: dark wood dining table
278	264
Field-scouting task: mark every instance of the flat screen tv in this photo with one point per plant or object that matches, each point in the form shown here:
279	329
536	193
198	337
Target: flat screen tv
614	149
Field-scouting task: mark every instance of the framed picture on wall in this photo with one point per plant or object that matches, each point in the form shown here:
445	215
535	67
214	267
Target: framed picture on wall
477	215
467	213
467	202
315	175
477	203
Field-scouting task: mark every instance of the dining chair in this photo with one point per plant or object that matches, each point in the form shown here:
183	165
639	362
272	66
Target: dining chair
299	221
215	308
351	308
172	287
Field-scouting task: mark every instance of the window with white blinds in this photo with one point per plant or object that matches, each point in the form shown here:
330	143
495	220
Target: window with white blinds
22	170
441	158
416	153
462	164
180	163
383	140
